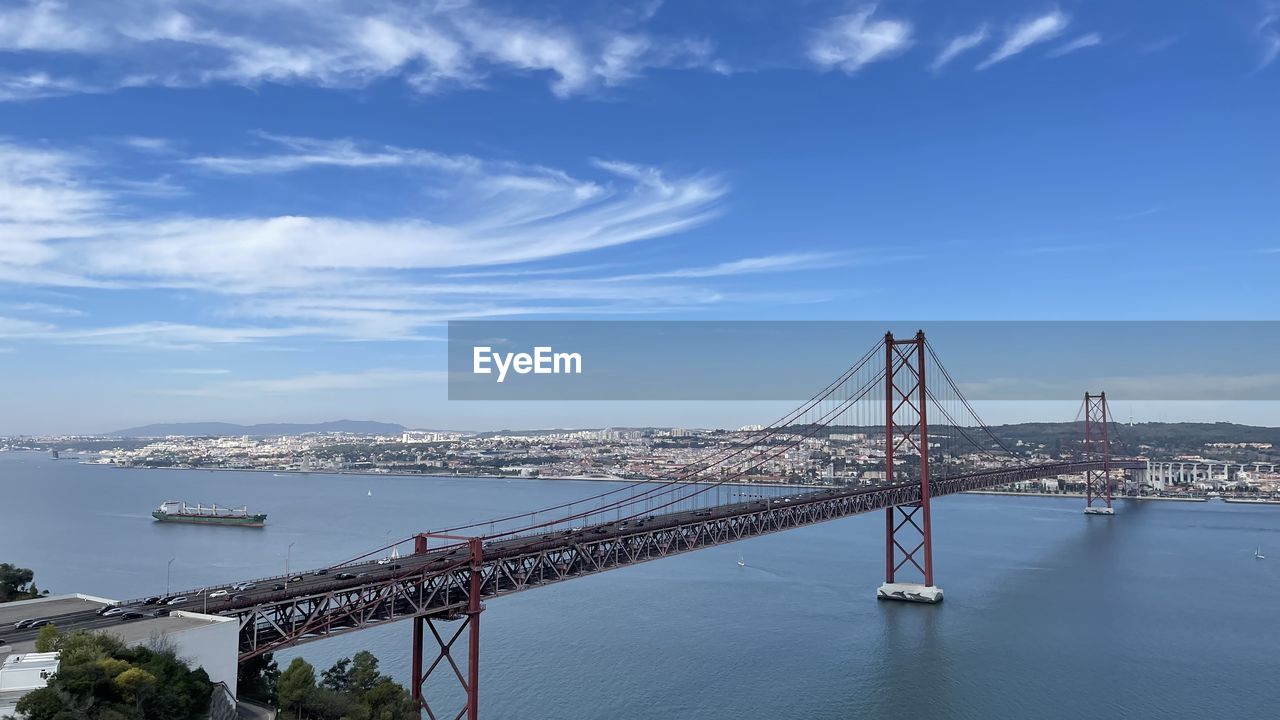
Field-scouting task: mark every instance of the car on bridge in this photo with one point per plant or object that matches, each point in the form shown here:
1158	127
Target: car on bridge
219	593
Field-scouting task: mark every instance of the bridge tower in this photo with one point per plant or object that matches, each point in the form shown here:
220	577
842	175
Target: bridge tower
908	542
445	664
1097	483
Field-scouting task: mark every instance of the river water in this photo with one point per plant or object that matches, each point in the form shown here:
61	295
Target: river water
1161	611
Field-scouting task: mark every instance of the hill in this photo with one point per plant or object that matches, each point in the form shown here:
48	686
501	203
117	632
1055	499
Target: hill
221	429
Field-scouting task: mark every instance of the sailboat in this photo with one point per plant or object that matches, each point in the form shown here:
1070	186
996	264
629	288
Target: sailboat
370	493
741	562
1257	554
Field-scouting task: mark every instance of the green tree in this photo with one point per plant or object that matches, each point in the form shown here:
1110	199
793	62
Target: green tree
337	677
48	639
16	583
297	685
357	674
99	678
388	700
135	684
364	672
257	679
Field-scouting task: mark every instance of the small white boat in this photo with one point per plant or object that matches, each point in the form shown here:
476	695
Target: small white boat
1257	554
370	493
741	562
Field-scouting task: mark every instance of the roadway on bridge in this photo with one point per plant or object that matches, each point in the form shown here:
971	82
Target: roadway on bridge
377	571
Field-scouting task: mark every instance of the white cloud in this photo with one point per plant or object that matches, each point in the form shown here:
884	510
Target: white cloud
314	276
852	41
148	144
958	45
745	266
45	25
40	308
430	46
1026	34
312	383
1084	41
1269	34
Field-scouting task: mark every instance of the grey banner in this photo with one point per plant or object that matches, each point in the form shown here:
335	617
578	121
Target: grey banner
790	360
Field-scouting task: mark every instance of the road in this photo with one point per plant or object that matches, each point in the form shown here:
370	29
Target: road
440	560
378	570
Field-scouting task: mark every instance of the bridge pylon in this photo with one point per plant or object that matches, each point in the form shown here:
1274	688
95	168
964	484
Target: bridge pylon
445	662
908	530
1097	483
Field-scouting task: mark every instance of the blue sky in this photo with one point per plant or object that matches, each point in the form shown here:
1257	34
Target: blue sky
266	211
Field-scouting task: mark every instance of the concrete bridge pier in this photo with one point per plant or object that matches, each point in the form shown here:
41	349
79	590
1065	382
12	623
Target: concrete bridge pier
909	592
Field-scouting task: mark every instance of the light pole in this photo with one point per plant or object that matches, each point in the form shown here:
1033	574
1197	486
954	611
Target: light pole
168	573
287	554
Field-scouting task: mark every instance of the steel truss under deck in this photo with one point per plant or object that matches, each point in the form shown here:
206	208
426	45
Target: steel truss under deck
551	558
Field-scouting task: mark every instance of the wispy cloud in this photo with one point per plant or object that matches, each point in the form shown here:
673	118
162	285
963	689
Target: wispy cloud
1159	45
1080	43
430	46
295	277
1139	214
746	266
1057	249
1026	34
148	144
311	383
39	308
1269	36
958	45
851	41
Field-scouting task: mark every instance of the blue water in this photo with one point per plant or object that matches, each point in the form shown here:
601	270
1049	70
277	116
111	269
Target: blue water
1158	612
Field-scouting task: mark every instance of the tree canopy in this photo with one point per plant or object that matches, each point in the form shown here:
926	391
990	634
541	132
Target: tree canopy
16	583
100	678
352	689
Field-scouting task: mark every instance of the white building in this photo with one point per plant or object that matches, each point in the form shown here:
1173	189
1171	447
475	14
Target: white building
22	673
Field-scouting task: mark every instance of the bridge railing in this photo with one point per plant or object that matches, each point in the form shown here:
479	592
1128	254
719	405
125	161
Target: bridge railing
1009	474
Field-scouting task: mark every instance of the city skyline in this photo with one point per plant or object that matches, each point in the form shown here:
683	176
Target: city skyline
209	216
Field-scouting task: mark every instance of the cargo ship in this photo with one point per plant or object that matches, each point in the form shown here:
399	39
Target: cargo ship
179	512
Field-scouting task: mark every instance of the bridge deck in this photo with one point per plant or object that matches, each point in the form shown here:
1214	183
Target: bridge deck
275	614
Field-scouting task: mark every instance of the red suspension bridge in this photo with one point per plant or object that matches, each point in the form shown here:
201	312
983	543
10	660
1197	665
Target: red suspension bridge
934	445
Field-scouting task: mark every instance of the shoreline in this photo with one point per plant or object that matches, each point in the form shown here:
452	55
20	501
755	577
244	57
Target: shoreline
394	473
1138	497
480	476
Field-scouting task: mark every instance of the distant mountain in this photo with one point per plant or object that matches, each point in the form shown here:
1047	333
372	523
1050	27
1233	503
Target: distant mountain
220	429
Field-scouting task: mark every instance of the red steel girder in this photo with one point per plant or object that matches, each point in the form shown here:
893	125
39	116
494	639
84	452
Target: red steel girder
470	683
907	540
1097	483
